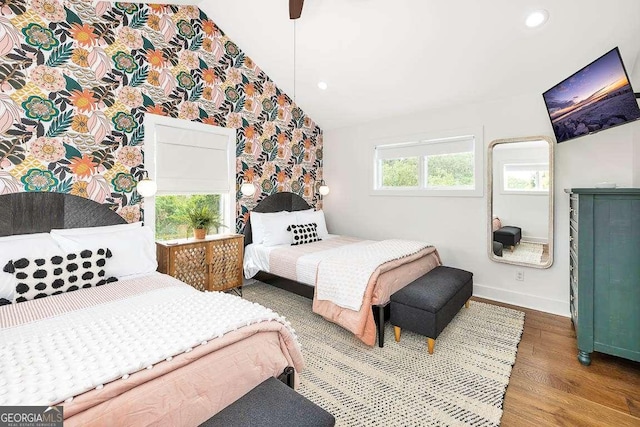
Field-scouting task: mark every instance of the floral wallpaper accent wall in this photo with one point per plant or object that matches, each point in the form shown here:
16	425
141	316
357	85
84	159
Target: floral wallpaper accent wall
77	77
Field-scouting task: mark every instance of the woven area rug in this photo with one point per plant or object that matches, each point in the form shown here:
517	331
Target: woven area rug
525	252
462	383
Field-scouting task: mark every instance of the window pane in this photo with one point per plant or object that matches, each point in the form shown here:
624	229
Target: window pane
450	170
521	180
171	213
400	172
526	178
544	180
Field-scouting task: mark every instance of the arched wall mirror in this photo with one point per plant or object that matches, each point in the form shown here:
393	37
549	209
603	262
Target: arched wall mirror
520	188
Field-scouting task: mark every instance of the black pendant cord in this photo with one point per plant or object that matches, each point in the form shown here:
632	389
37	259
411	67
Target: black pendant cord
294	61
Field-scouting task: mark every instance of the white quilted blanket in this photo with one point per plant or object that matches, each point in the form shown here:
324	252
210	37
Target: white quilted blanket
343	279
49	361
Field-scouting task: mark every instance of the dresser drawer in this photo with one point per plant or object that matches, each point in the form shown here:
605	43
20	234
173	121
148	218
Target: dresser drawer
574	313
573	208
573	244
573	271
573	237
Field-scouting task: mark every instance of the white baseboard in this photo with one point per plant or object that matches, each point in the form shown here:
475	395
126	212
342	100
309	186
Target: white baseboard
533	239
560	308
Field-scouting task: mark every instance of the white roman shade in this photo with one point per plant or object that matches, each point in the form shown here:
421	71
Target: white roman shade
191	162
462	144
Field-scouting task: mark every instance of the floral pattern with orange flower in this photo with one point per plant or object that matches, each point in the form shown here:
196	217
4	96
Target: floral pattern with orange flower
209	27
83	166
156	109
153	78
155	58
83	100
96	76
209	76
80	57
154	20
250	132
79	188
83	34
158	8
80	123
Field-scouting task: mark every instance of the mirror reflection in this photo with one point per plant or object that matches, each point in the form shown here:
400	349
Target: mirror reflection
521	201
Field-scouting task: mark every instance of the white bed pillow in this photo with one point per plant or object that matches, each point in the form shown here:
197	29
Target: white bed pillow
133	248
312	216
21	246
275	229
257	224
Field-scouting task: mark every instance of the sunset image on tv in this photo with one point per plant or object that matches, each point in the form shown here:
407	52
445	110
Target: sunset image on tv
595	98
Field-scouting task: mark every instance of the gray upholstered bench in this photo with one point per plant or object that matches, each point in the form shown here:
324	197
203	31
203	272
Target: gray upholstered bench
429	303
271	403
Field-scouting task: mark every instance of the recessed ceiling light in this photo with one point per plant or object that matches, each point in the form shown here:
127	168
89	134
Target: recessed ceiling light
536	18
323	85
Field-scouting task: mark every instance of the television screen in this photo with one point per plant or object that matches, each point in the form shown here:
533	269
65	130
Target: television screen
597	97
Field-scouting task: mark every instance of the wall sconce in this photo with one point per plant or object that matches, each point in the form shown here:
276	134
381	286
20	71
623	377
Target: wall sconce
323	189
146	186
247	189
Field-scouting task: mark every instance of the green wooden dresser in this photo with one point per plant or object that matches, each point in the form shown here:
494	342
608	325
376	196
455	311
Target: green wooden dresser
605	271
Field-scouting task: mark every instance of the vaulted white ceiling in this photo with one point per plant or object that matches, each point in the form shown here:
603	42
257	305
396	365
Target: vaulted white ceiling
382	58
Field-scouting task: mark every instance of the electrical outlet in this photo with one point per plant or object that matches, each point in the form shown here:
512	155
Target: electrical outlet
520	275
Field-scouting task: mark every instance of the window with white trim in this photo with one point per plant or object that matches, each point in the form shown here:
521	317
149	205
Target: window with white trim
525	177
194	167
446	166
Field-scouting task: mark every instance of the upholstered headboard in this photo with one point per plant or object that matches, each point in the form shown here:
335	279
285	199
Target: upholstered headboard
31	212
278	202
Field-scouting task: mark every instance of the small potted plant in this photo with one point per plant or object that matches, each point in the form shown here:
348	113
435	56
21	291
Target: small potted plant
200	220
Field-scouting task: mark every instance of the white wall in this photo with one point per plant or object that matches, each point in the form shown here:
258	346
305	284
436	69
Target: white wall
530	211
634	77
458	226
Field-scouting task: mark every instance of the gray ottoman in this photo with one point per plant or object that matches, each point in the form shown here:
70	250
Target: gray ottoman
271	404
429	303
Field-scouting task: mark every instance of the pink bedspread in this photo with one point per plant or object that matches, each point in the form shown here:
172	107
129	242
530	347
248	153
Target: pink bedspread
184	391
387	279
294	262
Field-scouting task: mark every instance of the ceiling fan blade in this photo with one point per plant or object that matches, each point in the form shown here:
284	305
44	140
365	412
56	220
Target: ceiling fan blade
295	8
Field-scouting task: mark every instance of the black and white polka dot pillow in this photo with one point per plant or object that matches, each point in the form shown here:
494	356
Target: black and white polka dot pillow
304	233
42	277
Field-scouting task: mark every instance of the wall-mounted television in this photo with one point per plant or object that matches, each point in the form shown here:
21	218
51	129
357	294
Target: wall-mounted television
597	97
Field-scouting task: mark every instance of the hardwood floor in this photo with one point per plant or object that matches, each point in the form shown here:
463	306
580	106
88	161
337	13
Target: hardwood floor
549	387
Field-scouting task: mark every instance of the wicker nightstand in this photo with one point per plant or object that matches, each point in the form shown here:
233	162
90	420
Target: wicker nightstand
211	264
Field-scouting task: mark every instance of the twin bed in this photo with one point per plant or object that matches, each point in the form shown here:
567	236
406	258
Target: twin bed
296	269
145	349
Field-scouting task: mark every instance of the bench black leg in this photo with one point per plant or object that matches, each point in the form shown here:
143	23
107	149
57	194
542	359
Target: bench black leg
288	376
378	316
